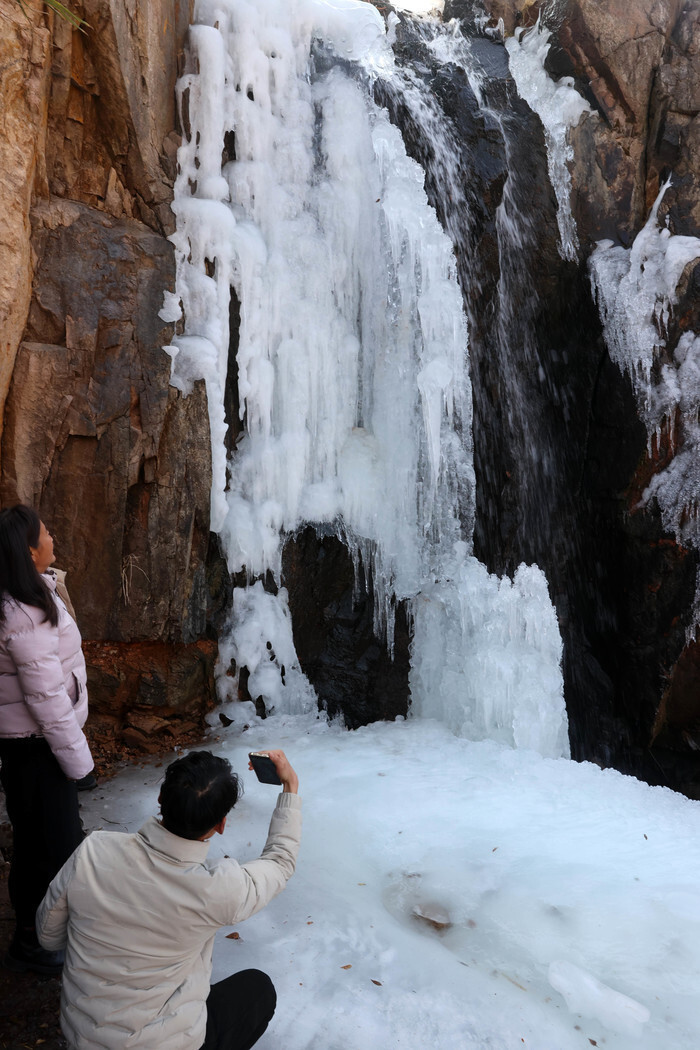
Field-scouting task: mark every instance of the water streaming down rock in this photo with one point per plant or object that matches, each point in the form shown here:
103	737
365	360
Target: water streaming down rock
453	98
486	175
462	117
352	364
548	406
559	106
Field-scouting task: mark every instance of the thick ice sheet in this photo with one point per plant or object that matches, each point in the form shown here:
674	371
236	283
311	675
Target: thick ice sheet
561	882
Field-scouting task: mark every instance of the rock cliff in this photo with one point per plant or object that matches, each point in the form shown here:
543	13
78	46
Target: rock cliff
623	586
116	461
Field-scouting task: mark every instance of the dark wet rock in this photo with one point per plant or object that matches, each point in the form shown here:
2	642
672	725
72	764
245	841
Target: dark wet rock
348	665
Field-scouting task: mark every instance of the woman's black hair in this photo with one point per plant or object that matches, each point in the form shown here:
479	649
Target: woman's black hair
197	793
19	530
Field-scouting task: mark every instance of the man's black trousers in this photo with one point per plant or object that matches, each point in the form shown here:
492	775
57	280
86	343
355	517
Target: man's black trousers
239	1010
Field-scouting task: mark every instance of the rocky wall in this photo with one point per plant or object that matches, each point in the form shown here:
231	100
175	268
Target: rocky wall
25	49
639	65
117	462
624	588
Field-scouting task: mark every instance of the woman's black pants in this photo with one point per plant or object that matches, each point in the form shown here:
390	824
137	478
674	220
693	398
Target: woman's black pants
239	1010
42	805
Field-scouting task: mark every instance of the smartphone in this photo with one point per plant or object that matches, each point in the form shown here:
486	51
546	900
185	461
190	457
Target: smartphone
264	767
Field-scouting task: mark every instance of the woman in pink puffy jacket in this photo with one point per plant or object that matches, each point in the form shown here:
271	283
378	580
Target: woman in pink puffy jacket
43	706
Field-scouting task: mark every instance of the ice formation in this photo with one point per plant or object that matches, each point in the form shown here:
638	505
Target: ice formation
559	107
352	361
637	290
487	656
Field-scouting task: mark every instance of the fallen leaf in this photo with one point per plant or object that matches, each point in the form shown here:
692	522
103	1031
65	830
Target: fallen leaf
348	966
375	982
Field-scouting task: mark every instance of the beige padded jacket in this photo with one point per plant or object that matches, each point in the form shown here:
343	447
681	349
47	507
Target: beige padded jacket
137	915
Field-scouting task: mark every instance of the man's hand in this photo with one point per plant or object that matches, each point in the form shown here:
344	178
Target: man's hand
290	781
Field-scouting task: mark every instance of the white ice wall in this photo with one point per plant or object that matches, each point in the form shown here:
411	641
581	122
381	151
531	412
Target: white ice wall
353	367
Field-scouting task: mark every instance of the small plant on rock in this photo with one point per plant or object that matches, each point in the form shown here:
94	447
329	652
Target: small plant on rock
75	20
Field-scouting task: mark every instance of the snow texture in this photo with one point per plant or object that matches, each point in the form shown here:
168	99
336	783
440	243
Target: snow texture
563	897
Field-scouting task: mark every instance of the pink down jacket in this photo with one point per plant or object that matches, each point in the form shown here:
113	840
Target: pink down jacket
43	690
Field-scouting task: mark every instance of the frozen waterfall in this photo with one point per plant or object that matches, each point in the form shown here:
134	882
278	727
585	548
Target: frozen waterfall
352	364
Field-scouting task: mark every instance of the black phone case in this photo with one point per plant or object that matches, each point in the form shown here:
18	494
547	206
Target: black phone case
264	769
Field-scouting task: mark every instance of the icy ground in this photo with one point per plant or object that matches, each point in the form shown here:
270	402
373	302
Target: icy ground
553	882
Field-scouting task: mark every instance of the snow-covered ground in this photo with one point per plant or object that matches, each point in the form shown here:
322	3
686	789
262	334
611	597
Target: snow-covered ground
554	882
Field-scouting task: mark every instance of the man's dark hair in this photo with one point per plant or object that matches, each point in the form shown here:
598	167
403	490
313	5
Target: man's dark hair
197	793
19	530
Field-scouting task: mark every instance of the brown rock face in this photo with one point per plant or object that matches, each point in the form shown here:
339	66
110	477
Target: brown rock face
88	117
24	50
112	114
133	688
115	460
620	55
637	63
674	131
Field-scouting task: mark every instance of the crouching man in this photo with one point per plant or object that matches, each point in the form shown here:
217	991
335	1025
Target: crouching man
137	915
